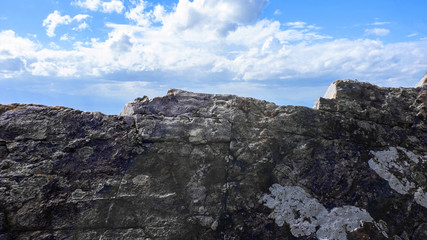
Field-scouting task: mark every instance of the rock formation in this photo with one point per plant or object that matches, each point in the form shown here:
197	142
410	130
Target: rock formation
202	166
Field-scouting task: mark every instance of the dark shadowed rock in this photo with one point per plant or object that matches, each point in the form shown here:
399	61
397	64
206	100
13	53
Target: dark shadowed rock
203	166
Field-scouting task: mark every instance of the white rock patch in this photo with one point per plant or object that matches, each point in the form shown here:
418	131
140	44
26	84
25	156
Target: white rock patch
331	92
294	206
383	163
389	166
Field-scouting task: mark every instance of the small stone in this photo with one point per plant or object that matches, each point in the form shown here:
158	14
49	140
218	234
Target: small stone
214	225
78	194
140	180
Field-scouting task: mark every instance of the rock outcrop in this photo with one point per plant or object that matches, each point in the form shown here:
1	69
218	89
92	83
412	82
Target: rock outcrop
203	166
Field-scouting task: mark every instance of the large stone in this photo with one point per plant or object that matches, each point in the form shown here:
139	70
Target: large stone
206	166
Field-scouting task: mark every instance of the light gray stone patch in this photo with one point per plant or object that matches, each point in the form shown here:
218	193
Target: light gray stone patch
412	156
214	225
385	164
140	180
78	194
336	223
294	206
205	221
195	188
196	136
421	197
391	167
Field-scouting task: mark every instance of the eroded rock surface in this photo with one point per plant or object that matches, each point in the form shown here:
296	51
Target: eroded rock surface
203	166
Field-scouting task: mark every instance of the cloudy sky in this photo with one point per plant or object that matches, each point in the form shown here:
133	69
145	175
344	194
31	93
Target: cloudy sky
96	55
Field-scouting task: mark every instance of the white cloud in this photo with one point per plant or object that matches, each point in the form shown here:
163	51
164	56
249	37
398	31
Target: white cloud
138	15
122	45
65	37
297	24
412	35
80	17
89	4
15	52
218	16
15	45
215	17
141	17
55	46
81	26
113	6
55	19
380	23
201	40
377	31
370	59
159	13
106	7
300	25
271	45
277	12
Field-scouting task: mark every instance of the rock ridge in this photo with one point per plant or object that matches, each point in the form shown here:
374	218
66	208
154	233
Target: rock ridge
211	166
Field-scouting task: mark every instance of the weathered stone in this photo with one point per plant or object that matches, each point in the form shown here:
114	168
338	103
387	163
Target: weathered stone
422	82
206	166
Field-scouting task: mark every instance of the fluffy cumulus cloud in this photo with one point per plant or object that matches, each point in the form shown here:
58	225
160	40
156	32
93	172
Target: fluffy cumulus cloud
15	52
211	39
55	19
219	16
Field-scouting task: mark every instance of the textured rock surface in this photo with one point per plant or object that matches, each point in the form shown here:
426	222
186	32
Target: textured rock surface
200	166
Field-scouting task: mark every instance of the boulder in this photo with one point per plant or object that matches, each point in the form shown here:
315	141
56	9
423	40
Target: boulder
210	166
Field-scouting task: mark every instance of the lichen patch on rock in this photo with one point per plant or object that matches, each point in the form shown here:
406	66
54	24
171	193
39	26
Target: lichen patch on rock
393	166
305	215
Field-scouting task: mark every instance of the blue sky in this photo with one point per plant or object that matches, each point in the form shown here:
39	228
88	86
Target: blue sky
96	55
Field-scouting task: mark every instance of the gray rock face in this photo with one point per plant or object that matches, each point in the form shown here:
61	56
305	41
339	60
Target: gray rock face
202	166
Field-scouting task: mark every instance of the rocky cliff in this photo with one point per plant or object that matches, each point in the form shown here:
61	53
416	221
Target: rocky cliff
201	166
